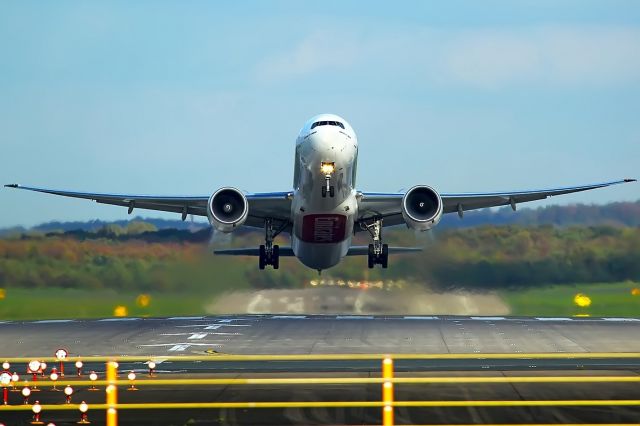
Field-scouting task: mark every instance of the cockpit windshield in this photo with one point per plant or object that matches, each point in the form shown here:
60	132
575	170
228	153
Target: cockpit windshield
327	123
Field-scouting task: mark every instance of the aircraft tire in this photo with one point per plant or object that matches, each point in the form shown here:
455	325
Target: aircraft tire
276	257
262	258
385	256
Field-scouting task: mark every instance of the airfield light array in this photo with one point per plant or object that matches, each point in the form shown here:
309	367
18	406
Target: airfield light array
386	380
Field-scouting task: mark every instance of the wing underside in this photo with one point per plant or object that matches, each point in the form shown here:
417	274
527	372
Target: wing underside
274	205
387	206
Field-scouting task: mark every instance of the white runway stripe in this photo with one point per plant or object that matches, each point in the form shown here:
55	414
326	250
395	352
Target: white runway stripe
622	319
185	318
355	317
53	321
488	318
289	317
420	318
553	319
197	336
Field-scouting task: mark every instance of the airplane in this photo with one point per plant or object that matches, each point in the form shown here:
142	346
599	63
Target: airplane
323	210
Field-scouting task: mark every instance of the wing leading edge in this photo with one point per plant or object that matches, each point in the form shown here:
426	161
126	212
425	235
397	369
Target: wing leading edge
387	205
275	205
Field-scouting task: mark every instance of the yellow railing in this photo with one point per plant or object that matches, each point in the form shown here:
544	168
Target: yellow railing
387	380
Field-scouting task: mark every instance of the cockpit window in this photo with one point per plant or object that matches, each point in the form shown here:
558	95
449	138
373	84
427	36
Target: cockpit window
327	123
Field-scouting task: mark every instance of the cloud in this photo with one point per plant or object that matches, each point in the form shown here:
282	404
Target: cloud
571	56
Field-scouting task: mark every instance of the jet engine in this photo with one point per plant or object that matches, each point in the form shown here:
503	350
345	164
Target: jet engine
422	208
227	209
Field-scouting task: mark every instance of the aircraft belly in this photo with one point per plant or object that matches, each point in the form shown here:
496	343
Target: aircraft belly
320	255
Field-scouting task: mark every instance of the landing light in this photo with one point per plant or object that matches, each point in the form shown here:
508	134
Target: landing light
327	168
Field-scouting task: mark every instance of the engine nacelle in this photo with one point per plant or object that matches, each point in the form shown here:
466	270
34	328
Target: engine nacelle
227	209
422	208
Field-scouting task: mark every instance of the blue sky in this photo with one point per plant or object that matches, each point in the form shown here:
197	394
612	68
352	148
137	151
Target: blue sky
184	97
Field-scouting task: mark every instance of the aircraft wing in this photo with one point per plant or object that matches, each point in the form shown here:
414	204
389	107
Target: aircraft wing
387	206
275	205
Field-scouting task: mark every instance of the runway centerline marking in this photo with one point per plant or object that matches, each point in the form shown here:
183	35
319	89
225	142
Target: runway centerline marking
488	318
53	321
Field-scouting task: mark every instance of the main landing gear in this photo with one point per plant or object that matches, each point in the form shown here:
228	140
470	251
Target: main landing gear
270	253
378	252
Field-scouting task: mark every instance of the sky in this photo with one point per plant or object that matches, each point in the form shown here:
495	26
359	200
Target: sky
184	97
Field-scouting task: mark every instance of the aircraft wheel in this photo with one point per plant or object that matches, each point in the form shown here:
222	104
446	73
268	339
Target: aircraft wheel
332	192
324	192
276	257
263	257
385	256
371	257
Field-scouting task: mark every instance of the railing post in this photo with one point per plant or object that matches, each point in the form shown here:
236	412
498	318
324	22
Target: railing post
112	394
387	391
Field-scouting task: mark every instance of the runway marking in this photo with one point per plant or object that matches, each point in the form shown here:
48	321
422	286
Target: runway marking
178	348
553	319
622	319
488	318
185	318
289	317
355	317
197	336
420	318
53	321
213	326
118	319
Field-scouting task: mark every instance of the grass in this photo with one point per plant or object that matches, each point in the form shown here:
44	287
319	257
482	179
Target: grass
50	303
607	299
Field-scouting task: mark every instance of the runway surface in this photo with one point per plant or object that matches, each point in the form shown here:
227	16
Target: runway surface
345	334
300	334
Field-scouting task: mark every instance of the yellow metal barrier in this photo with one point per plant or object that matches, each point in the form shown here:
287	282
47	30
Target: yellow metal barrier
387	381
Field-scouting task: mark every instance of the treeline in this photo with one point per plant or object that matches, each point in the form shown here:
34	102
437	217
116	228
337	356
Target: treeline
139	258
612	214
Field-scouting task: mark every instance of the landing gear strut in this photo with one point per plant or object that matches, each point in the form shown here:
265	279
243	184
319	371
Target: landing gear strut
270	253
378	252
328	188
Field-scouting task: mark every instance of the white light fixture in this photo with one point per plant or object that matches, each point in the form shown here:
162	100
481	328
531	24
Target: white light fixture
34	366
6	365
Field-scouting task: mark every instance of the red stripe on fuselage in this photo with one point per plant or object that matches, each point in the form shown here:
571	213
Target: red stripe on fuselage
323	228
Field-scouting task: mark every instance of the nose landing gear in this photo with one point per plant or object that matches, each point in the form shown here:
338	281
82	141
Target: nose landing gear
378	252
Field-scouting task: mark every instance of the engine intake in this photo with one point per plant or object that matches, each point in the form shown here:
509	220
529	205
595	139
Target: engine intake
422	208
227	209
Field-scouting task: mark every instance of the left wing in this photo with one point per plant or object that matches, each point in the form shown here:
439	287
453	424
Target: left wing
374	205
274	205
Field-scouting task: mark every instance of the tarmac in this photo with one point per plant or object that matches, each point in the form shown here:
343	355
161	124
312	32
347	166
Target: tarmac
319	334
346	334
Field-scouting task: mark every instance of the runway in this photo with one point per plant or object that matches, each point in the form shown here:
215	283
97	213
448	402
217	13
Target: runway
331	334
346	334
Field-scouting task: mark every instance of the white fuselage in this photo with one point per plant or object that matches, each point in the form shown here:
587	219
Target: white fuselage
323	225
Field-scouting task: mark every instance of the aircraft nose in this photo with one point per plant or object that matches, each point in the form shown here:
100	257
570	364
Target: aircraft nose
326	141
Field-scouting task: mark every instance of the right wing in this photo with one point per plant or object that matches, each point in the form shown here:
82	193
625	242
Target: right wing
274	205
387	206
